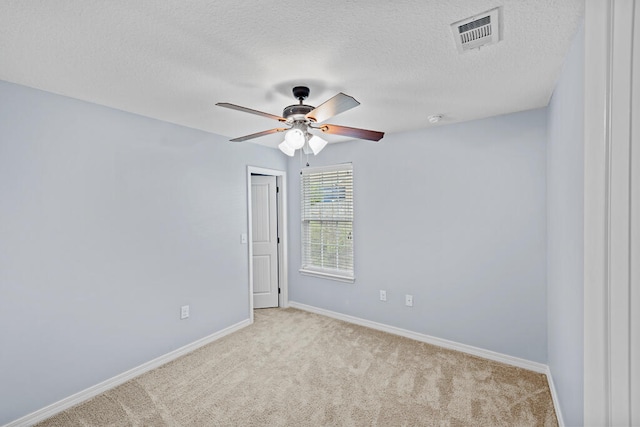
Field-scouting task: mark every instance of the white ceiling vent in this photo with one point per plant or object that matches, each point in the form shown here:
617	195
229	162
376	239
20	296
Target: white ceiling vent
479	30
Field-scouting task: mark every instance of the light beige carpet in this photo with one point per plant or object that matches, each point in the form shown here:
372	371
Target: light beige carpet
293	368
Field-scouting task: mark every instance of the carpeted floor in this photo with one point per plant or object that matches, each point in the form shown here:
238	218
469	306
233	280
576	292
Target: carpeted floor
294	368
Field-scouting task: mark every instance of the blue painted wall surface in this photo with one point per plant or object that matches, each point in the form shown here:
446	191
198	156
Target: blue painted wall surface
109	222
455	216
565	201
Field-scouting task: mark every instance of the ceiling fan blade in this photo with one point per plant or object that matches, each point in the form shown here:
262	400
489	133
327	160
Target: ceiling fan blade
332	107
371	135
257	135
249	110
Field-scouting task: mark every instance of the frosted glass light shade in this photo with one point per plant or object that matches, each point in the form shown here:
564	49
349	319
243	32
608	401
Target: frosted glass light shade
294	138
286	149
317	144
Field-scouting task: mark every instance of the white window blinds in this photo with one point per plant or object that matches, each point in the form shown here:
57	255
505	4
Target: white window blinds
327	221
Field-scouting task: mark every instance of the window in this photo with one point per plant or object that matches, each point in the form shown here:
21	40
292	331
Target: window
327	222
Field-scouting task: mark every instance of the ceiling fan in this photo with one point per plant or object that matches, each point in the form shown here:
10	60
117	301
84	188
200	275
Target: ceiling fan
301	119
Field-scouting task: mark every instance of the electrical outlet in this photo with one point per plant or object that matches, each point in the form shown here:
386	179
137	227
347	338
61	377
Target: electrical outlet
383	295
408	300
184	312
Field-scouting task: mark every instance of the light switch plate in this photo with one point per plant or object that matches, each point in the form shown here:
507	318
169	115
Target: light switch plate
184	312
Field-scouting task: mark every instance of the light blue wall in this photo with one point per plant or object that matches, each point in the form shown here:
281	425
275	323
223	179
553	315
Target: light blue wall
109	222
565	203
454	215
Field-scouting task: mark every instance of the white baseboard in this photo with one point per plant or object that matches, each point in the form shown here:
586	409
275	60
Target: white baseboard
554	396
452	345
68	402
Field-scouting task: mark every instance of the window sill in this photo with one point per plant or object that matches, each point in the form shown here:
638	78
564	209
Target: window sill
330	276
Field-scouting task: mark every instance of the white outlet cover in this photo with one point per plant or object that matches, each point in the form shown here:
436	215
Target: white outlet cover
383	295
408	300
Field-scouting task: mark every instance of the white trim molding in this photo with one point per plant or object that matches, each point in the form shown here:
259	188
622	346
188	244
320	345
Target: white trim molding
554	397
86	394
451	345
635	225
610	196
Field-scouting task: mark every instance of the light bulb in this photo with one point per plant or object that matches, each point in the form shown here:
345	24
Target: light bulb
286	149
294	138
317	144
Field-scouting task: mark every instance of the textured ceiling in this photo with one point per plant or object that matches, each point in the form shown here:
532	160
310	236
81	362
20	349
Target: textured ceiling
174	59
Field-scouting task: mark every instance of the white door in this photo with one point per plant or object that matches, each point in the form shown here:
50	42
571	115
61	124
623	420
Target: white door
264	229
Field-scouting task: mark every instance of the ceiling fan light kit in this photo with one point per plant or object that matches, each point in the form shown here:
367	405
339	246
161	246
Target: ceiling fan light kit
295	139
302	118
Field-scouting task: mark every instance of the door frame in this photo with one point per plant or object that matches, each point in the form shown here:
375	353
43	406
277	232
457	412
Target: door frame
281	196
611	239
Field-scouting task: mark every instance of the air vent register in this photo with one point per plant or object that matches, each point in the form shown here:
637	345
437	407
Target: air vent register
477	31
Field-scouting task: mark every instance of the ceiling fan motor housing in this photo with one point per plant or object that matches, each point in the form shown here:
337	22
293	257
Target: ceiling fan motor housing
296	112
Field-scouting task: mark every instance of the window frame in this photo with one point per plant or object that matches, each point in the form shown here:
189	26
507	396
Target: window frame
346	275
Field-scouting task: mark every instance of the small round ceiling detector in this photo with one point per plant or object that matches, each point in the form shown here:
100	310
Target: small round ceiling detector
434	118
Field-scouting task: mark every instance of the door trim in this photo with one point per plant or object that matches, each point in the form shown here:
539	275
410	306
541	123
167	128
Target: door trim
281	180
609	200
